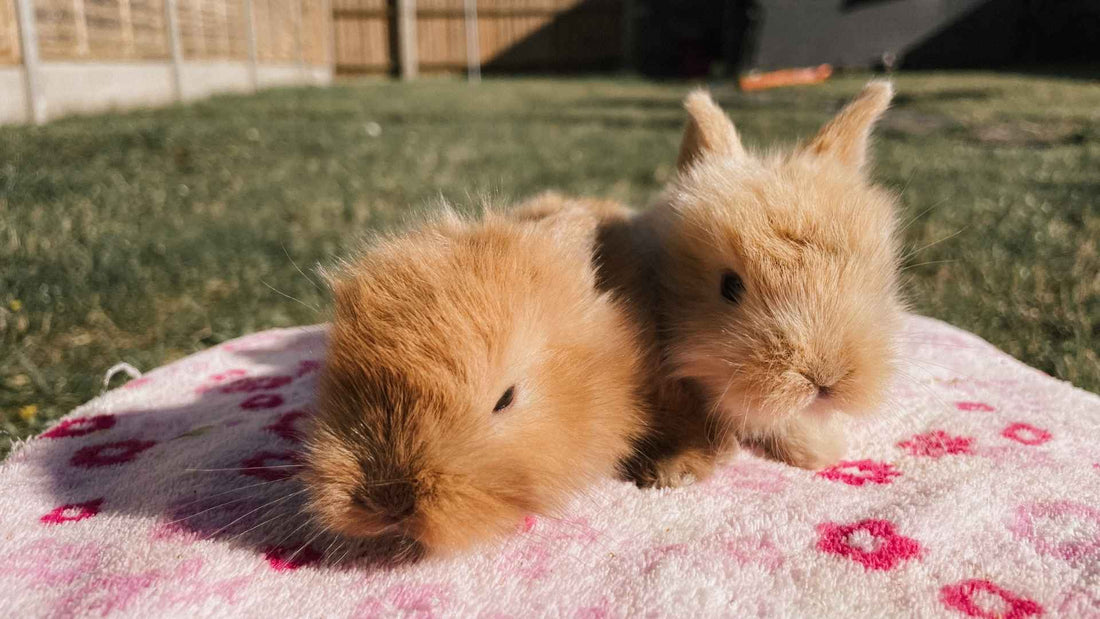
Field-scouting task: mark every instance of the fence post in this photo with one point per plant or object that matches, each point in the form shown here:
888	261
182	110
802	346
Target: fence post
473	45
250	36
406	38
330	36
28	41
299	36
175	49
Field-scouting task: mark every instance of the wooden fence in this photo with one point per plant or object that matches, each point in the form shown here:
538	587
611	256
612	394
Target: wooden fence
511	35
286	31
86	55
9	34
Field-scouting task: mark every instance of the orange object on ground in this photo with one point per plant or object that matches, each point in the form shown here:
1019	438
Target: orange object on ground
785	77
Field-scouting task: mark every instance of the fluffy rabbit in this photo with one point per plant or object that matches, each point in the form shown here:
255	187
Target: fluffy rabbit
765	290
474	374
779	292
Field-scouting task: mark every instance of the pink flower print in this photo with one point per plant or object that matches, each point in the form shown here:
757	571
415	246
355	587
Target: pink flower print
1079	601
108	592
256	383
874	544
286	427
1026	434
860	472
530	562
50	563
1064	529
981	598
81	426
735	479
422	601
72	512
218	379
249	342
262	401
556	529
598	611
271	465
1017	456
937	444
750	549
284	559
974	406
307	366
137	382
653	557
106	454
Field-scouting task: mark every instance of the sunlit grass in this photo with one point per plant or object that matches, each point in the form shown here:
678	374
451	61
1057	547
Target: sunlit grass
143	237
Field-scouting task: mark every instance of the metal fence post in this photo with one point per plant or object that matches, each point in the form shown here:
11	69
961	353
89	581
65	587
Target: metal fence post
28	41
175	49
250	36
406	38
473	45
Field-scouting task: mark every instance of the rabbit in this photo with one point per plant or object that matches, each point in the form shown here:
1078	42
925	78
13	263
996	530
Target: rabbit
474	375
682	444
778	283
765	289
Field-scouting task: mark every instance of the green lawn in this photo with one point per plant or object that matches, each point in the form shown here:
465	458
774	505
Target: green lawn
146	236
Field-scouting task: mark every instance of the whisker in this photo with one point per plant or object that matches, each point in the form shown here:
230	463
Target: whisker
209	509
284	538
280	292
933	243
924	264
921	214
268	504
246	468
308	279
211	496
254	527
307	543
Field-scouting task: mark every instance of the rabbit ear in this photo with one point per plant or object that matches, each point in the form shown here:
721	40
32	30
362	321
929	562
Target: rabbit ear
845	137
709	131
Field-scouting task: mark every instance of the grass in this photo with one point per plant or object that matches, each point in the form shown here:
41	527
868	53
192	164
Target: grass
143	237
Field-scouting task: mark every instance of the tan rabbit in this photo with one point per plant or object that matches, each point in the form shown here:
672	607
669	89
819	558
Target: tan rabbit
766	290
779	280
683	442
474	374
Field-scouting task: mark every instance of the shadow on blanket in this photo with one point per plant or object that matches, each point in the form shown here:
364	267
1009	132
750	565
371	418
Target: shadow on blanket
220	467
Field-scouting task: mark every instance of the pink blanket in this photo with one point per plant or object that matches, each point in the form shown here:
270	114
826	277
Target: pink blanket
975	493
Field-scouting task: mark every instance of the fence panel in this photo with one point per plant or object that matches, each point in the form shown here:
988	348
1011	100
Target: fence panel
316	30
538	35
212	29
101	29
550	35
9	34
364	32
277	25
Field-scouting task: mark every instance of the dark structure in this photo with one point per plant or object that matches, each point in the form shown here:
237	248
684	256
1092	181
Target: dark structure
696	37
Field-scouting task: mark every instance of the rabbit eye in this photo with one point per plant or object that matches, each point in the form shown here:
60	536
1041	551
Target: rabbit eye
505	400
732	286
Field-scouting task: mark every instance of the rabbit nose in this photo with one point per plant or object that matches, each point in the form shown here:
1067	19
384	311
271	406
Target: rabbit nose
398	502
824	387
